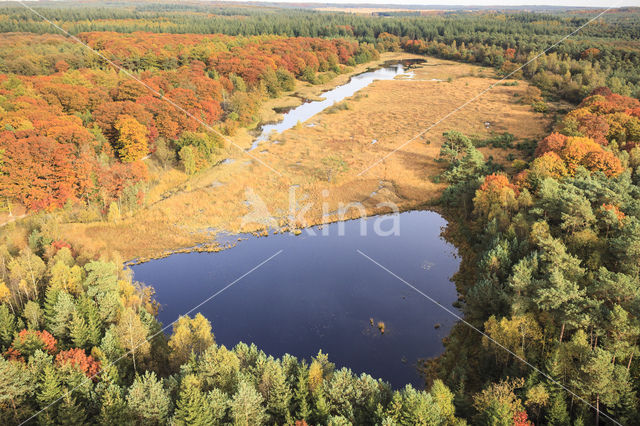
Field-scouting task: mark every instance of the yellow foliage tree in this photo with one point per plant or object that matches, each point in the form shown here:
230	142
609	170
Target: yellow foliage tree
132	138
495	199
5	293
517	334
65	277
133	334
319	370
549	164
190	336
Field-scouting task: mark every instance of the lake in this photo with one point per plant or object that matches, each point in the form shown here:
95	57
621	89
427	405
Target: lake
320	293
307	110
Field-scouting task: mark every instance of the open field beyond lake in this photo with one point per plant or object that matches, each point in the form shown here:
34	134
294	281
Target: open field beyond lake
322	160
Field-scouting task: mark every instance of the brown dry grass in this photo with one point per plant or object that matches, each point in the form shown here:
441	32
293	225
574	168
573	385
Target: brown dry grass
391	112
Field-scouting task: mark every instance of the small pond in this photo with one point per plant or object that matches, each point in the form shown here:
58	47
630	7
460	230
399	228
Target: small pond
320	293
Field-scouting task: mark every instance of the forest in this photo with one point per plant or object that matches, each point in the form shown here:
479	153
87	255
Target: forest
222	79
84	127
550	251
550	269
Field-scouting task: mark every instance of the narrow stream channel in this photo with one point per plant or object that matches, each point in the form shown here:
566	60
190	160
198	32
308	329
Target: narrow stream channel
388	71
321	294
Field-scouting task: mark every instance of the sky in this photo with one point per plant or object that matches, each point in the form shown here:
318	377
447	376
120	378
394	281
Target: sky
391	3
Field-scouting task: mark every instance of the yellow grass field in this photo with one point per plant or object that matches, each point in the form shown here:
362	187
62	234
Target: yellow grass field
244	195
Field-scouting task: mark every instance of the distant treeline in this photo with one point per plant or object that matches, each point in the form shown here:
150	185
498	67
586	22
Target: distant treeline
604	52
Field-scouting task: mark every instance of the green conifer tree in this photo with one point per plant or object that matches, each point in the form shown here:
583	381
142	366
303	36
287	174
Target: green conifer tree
246	406
192	407
7	327
70	412
79	331
301	394
49	391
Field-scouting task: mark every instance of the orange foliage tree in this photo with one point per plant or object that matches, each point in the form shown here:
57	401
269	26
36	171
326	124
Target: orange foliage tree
27	342
554	142
36	170
78	359
64	128
575	150
495	197
603	161
559	155
601	118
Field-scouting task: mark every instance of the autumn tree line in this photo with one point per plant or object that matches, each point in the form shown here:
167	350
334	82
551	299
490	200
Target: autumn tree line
73	130
550	271
603	53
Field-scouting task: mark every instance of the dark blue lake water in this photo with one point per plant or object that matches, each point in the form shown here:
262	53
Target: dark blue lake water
320	293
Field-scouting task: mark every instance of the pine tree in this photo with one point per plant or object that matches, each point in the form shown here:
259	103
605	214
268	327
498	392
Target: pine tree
70	412
218	404
63	315
113	407
79	331
394	409
192	407
219	368
246	406
276	393
93	321
50	301
48	394
301	394
16	386
557	414
322	407
442	410
50	386
148	400
7	327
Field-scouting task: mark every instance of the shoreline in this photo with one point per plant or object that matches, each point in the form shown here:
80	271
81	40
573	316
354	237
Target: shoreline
263	233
